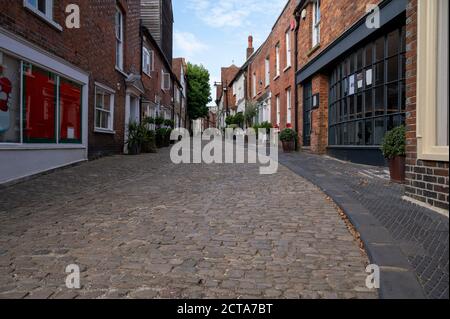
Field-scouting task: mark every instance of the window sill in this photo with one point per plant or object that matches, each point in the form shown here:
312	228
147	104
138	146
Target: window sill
313	50
267	86
146	74
121	71
287	68
42	16
276	78
104	131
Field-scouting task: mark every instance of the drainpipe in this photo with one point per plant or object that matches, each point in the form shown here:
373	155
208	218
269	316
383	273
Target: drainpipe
297	20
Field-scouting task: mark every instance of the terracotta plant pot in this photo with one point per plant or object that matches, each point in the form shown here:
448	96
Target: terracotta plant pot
288	146
397	169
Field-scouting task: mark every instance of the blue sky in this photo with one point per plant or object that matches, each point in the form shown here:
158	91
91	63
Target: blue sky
214	32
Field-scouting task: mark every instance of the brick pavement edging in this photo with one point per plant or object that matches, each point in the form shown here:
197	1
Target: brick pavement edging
398	280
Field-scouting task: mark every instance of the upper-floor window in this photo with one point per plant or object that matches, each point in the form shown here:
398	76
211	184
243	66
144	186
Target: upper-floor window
165	81
288	49
44	7
316	23
267	69
277	59
147	61
119	39
254	84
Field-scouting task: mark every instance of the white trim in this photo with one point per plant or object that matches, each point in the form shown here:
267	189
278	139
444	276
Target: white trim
110	128
119	39
105	87
48	18
22	49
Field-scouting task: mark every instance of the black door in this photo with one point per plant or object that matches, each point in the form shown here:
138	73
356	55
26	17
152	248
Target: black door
307	106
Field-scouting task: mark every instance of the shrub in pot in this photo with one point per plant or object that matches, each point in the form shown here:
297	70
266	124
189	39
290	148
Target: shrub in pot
167	137
136	136
149	144
394	150
169	123
160	137
159	121
288	138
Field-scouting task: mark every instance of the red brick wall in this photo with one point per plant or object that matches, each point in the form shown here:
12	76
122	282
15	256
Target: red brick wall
286	79
92	48
426	181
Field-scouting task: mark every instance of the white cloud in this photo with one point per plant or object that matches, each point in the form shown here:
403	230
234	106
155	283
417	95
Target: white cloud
232	13
188	44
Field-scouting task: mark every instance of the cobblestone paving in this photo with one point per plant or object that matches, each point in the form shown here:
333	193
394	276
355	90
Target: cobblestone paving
421	234
141	227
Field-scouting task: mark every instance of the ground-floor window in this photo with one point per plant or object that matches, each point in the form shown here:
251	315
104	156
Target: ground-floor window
367	92
51	104
104	109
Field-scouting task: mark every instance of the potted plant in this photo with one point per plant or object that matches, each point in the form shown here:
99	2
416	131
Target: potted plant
394	150
160	137
149	143
169	123
159	121
288	138
136	136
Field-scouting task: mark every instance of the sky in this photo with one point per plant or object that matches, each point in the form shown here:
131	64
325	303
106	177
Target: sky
214	33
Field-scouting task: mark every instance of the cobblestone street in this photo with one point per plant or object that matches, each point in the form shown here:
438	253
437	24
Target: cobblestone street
142	227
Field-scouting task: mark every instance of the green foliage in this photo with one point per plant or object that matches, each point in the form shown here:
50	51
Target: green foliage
199	91
288	135
160	137
394	143
136	136
169	123
159	121
148	120
251	111
149	143
237	120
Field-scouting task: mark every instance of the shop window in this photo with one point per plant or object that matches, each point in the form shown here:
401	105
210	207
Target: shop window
39	105
373	87
9	99
70	111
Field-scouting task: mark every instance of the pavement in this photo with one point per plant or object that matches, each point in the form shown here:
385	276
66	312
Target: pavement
410	243
143	227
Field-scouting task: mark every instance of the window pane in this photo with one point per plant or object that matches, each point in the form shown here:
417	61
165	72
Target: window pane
359	59
369	55
9	99
369	103
392	67
351	133
392	98
359	133
40	97
70	111
379	73
393	42
359	106
379	48
379	131
369	132
42	6
442	125
351	103
379	100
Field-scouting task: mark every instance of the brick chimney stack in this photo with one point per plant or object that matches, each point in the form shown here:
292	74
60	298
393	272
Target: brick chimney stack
250	49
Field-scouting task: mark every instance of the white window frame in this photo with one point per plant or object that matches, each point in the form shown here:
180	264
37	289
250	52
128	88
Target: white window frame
147	61
254	84
277	61
288	106
119	39
47	16
277	101
106	91
267	69
428	77
288	50
316	23
165	76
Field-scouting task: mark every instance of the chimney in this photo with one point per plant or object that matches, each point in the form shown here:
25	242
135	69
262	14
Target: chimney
250	48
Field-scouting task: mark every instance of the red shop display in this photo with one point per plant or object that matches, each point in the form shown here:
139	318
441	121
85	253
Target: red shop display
70	111
40	105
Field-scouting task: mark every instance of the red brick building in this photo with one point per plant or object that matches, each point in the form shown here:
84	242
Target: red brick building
271	72
179	68
357	79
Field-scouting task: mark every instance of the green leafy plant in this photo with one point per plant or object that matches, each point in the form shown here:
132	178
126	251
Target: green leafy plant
148	120
149	143
136	137
160	137
288	135
251	111
169	123
159	121
199	91
394	143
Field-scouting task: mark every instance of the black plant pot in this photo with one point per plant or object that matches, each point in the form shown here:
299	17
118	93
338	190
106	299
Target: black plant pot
134	150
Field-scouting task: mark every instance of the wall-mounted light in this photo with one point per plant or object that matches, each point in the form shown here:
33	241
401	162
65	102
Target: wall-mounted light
303	15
